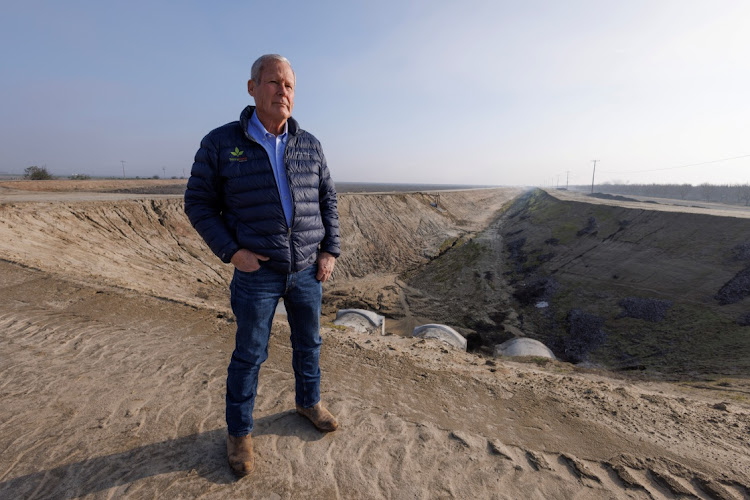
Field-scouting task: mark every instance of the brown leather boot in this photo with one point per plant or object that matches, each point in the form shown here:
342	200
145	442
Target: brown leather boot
240	454
320	417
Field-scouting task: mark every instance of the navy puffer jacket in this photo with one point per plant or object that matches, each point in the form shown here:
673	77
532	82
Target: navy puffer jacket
233	202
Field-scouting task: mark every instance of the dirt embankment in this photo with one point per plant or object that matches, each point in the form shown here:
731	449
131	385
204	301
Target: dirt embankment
110	392
148	244
385	236
627	288
392	233
143	245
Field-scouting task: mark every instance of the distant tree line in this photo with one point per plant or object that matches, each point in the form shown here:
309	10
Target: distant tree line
36	173
736	194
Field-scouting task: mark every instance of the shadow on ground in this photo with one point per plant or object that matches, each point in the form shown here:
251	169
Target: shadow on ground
203	454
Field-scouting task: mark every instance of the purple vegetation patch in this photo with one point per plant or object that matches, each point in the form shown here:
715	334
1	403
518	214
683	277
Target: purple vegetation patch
652	310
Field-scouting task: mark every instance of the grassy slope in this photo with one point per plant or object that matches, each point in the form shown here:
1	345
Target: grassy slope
593	256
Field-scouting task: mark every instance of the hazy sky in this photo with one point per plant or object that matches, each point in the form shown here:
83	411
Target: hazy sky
471	92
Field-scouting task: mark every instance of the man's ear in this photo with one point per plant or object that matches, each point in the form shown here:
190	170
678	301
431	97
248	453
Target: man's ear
251	87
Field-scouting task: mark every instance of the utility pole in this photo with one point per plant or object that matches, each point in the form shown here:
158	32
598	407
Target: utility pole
164	169
123	168
567	176
592	176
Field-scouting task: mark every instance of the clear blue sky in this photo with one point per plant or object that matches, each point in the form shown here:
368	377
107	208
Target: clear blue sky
476	92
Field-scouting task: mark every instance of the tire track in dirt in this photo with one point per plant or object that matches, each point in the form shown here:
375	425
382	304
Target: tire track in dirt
100	402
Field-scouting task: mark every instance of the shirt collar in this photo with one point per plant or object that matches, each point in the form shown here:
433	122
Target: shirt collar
261	130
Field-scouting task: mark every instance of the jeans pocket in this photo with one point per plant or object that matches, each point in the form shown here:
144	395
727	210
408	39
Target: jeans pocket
261	264
244	280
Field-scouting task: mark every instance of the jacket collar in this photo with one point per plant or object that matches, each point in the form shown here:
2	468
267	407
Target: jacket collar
247	113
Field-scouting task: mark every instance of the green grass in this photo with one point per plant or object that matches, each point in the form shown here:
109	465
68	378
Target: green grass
692	339
452	264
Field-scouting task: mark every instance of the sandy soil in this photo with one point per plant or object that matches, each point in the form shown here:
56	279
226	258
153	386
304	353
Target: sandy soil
109	391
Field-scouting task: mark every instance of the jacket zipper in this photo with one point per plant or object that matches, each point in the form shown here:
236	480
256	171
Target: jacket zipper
288	226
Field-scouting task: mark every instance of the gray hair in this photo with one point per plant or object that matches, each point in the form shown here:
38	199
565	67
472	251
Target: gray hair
260	63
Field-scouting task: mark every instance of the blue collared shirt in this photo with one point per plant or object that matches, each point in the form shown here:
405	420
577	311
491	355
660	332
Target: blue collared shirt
274	146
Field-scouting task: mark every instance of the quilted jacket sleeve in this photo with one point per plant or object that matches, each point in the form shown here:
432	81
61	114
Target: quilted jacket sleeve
329	211
203	202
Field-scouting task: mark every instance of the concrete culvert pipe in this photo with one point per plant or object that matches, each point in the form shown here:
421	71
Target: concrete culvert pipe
523	346
361	320
441	332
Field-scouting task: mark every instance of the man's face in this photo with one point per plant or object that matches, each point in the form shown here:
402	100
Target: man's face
274	93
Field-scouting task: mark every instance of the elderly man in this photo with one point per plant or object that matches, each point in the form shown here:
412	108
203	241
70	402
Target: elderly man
262	198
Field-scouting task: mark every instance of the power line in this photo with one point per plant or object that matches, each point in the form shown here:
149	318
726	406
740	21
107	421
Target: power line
651	169
680	166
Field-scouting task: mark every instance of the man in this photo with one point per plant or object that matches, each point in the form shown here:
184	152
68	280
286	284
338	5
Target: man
262	198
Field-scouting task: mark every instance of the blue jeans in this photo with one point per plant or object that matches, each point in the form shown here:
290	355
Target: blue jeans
254	299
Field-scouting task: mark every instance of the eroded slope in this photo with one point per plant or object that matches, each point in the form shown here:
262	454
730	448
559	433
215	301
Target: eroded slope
148	245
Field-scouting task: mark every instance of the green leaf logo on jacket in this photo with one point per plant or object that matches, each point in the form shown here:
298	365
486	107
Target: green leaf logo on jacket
237	155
